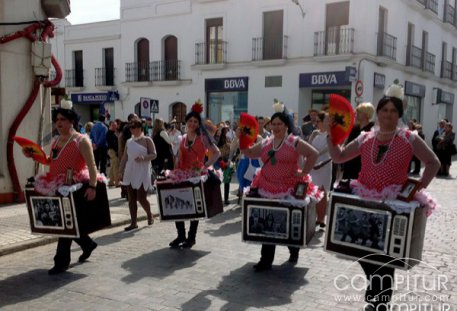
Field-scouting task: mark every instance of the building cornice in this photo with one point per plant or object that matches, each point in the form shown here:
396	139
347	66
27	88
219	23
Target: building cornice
93	39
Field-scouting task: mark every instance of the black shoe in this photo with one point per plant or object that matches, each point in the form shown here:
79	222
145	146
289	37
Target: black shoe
131	227
293	258
176	242
188	243
262	266
57	269
226	202
86	253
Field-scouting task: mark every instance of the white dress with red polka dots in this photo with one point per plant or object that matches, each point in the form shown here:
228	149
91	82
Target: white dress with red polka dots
277	178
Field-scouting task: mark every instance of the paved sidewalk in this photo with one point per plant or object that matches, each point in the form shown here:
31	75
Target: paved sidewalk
15	232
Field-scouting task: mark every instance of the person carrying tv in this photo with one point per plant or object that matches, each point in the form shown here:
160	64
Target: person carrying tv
280	173
385	154
70	150
192	162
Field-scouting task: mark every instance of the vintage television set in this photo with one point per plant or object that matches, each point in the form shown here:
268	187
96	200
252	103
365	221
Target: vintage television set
269	221
188	200
67	216
374	232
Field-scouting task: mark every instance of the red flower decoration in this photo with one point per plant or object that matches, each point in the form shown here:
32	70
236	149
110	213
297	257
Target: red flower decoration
197	107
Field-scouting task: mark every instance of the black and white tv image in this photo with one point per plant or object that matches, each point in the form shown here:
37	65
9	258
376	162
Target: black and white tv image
270	221
47	212
178	201
372	231
361	228
181	201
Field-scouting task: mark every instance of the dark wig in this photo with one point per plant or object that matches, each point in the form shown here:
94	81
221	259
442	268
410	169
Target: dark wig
398	103
68	114
196	115
284	117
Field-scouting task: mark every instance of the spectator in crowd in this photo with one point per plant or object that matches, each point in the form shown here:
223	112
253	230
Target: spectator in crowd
310	122
98	137
163	144
176	137
134	171
88	127
444	146
262	131
414	127
112	143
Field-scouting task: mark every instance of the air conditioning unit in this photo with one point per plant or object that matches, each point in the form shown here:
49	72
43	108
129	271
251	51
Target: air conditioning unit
56	8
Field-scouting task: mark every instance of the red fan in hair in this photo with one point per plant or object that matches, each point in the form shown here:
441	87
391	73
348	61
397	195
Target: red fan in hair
198	106
341	111
249	128
31	147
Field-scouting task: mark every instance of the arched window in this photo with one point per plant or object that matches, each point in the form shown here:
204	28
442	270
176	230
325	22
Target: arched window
142	57
171	66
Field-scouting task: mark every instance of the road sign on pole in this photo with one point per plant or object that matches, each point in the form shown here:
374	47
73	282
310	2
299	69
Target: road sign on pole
154	106
359	88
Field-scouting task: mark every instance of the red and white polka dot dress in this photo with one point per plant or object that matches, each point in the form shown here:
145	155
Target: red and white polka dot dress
277	178
390	167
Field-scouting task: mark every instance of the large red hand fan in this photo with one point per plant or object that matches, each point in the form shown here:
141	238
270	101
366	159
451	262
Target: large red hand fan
249	128
37	153
341	111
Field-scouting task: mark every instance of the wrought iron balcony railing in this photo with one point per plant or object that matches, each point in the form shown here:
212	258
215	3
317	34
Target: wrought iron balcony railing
415	58
446	69
334	41
74	78
387	45
104	76
154	71
213	52
269	49
429	64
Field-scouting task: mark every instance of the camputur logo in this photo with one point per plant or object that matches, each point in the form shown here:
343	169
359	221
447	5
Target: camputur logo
423	288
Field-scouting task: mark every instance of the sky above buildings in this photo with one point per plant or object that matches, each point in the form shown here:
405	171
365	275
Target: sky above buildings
88	11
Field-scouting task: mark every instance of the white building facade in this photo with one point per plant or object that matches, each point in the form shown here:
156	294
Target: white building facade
239	55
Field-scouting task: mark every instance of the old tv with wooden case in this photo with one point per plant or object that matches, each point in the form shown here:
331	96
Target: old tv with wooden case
269	221
374	231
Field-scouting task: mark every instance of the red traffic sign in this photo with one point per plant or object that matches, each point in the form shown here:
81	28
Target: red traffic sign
359	88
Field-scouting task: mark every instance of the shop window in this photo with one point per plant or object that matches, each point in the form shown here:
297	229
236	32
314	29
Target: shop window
413	109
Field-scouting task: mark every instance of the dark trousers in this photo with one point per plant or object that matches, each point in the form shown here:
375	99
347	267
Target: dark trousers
101	157
268	253
380	284
181	228
226	191
62	257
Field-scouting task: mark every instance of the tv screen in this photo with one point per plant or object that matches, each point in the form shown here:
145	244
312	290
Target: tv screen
268	222
361	228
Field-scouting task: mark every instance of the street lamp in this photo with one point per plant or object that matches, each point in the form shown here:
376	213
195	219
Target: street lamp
301	8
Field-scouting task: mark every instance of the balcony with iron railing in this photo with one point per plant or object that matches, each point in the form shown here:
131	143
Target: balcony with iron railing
446	70
74	78
387	46
449	15
104	77
429	64
334	41
263	50
211	53
154	71
432	5
415	57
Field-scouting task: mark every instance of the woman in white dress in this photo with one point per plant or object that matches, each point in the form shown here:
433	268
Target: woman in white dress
135	171
321	174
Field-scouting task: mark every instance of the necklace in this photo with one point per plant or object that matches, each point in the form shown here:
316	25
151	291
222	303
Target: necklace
387	133
382	151
189	142
56	151
272	152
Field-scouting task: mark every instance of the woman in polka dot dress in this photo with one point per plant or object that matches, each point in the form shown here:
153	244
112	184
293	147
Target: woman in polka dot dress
385	154
280	173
